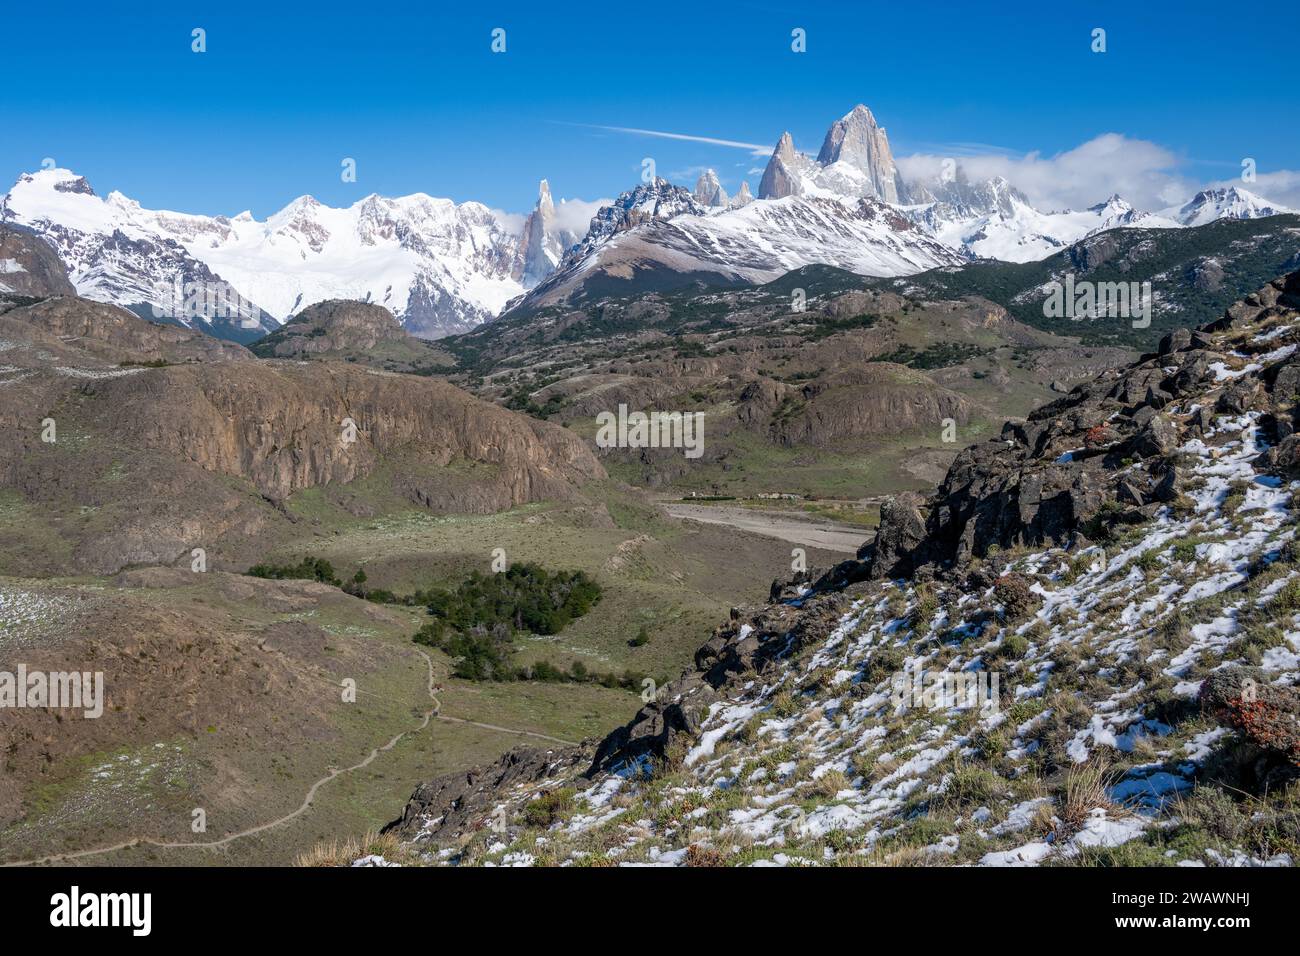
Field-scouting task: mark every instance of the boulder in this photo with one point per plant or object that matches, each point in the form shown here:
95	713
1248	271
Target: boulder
902	528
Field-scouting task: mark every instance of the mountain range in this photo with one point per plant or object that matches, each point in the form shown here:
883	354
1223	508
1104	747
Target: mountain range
444	267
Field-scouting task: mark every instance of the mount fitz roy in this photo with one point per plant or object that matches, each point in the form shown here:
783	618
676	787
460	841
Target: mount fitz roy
443	267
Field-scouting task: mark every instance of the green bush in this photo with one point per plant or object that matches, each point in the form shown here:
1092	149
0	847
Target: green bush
1017	598
548	808
308	569
477	622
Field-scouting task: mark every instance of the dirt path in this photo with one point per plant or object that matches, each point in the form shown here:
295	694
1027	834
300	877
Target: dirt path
431	714
784	525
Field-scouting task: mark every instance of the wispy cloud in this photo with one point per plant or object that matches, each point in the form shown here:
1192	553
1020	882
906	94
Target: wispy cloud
754	148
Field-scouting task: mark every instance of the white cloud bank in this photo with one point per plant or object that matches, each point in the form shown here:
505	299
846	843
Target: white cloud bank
1144	173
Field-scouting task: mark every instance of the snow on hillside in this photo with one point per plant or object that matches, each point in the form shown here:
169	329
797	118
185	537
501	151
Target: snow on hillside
1021	233
767	238
815	762
1144	712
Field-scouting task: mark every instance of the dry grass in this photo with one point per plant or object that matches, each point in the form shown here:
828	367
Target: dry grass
1086	789
342	853
699	855
900	856
829	784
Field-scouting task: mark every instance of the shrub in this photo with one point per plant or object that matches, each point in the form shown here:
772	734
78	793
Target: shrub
699	855
308	569
884	661
924	610
1013	592
830	783
477	622
549	808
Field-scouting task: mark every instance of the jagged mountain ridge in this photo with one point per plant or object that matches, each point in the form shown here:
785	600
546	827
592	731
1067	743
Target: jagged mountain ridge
660	230
438	265
810	210
1142	607
443	267
1232	202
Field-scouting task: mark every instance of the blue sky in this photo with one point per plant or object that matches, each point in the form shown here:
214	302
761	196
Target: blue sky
415	95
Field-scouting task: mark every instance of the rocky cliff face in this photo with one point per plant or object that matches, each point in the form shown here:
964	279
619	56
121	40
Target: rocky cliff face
877	399
1128	654
709	191
29	266
855	161
1105	453
544	242
784	172
177	440
859	146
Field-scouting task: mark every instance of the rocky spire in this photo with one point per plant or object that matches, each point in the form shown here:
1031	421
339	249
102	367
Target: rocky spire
742	198
857	141
709	191
781	178
536	260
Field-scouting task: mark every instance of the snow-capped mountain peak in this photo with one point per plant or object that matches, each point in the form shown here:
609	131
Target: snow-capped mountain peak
1230	202
442	266
993	219
709	191
544	241
855	161
857	145
439	265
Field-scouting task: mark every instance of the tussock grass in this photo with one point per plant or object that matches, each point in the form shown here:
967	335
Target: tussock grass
336	852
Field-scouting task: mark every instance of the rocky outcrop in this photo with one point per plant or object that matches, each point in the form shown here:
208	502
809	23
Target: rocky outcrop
901	532
879	398
112	334
190	440
462	802
1101	456
29	267
337	325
